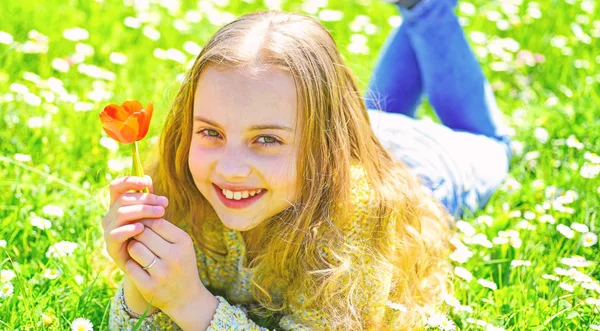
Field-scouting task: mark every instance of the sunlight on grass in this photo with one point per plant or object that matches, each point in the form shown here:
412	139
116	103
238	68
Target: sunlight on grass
529	261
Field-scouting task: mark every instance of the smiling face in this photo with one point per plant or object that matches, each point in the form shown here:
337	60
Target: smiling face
245	144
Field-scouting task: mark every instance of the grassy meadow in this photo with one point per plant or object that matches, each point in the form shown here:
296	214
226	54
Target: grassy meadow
529	261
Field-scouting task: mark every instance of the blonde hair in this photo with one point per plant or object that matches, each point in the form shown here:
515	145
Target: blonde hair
411	232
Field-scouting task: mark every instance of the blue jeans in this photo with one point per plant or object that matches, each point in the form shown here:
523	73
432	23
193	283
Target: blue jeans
463	161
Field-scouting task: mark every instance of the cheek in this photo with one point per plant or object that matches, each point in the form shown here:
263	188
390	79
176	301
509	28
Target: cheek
282	176
199	162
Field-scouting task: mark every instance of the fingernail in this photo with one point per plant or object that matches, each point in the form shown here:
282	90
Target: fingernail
157	209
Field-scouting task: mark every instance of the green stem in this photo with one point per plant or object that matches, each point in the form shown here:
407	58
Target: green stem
137	168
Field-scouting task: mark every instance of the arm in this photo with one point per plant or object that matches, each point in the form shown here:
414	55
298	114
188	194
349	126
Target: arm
123	318
223	315
134	299
226	317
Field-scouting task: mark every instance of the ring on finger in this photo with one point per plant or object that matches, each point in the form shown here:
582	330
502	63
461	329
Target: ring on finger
151	264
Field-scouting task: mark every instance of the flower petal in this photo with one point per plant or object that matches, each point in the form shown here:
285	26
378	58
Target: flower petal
131	128
116	112
144	120
119	132
132	106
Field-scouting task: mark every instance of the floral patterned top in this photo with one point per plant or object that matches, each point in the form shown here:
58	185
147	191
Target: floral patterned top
228	275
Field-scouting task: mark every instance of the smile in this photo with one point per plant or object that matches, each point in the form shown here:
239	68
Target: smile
239	199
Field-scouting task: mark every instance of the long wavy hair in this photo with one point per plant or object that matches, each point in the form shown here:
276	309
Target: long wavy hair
412	239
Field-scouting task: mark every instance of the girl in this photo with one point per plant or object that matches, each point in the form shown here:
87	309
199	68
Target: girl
284	208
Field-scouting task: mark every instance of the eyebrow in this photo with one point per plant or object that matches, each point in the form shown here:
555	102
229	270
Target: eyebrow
252	128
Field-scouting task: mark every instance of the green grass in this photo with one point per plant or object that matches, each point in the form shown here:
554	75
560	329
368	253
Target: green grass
68	165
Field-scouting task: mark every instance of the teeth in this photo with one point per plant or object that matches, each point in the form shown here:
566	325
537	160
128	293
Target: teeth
239	195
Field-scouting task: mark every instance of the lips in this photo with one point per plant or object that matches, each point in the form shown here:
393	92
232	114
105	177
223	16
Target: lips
236	199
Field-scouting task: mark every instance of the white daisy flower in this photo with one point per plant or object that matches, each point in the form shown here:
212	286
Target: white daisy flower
582	228
550	277
79	279
541	135
52	210
6	290
132	22
6	275
61	249
589	239
47	319
575	261
485	219
461	255
52	273
39	222
118	58
547	219
435	320
463	273
6	38
482	240
82	324
519	263
61	65
593	301
192	48
151	33
465	228
76	34
3	243
565	231
478	322
22	157
329	15
486	283
566	287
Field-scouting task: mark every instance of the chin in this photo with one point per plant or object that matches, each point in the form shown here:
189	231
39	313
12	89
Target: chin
238	223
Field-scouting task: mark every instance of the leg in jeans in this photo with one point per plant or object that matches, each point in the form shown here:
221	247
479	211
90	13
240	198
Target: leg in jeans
467	159
395	85
452	77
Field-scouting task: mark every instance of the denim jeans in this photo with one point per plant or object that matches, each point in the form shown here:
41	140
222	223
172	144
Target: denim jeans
463	161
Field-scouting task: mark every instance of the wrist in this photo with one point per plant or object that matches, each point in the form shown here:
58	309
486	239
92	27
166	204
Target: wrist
133	301
197	313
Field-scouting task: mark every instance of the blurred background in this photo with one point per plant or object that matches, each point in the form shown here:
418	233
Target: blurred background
529	261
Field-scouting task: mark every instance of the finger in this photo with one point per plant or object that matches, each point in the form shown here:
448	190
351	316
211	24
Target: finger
141	254
131	198
151	185
155	243
137	212
165	229
122	233
139	276
124	184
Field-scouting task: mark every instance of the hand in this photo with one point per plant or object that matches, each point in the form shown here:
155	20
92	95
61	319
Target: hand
126	211
172	282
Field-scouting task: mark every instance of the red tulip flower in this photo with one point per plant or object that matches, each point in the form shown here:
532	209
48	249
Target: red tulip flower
128	124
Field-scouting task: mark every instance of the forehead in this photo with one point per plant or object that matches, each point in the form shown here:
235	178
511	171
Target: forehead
234	97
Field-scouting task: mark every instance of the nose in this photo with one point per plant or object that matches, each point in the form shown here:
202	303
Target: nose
232	166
